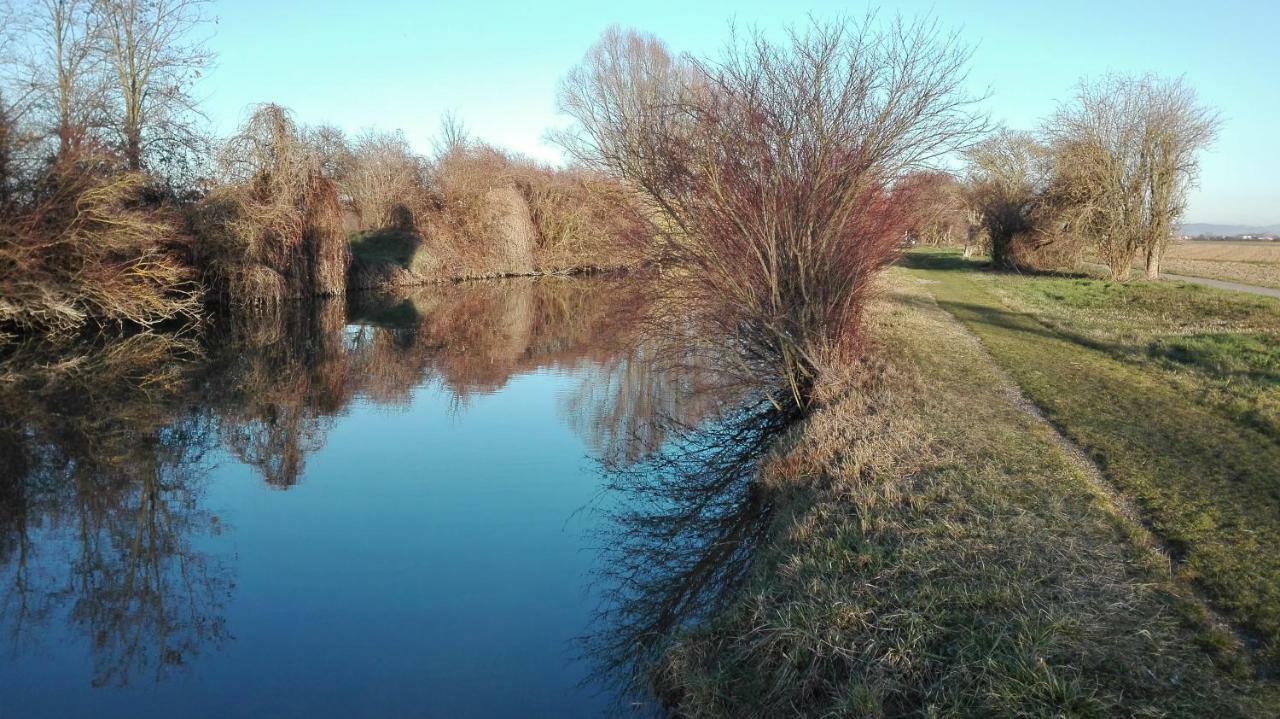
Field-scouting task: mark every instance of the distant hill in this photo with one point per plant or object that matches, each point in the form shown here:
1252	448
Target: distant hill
1204	228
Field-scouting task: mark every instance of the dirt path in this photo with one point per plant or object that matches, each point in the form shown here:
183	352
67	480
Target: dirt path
1207	282
1119	501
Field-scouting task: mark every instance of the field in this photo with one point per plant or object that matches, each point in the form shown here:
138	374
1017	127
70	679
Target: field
1253	263
960	555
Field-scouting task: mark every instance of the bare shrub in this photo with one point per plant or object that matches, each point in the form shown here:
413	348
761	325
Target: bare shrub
461	230
497	214
937	210
583	220
767	171
1007	178
273	230
384	180
89	254
324	240
1125	151
510	228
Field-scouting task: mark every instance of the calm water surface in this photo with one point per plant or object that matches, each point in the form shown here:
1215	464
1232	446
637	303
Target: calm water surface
394	508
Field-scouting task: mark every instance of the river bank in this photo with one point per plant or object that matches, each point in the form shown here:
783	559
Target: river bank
936	549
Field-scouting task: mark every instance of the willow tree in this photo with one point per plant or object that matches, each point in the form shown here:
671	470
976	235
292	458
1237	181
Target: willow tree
1006	184
1125	151
767	170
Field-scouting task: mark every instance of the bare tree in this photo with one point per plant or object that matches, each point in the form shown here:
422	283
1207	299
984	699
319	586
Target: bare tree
1007	176
154	61
65	69
1178	127
454	137
332	153
8	132
1125	153
767	170
16	98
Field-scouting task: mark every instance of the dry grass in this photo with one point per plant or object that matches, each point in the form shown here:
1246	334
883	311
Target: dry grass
88	253
1267	252
273	230
1252	263
935	553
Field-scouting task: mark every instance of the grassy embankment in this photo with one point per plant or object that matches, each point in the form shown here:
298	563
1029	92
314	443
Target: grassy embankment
941	554
1174	391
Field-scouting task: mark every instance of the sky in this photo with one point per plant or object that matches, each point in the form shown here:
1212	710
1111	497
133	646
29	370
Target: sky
400	64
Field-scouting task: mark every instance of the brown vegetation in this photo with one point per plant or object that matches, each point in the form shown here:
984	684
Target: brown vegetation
1127	149
1251	263
273	230
506	215
767	172
1111	173
87	252
1014	193
485	213
915	560
937	209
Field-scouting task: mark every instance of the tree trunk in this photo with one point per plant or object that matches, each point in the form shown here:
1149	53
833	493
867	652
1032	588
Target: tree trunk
1153	263
133	150
1122	267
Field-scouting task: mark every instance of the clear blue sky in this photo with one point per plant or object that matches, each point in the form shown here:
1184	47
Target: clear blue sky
401	64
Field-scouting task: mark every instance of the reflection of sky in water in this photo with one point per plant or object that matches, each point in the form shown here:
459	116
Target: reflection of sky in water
330	519
431	563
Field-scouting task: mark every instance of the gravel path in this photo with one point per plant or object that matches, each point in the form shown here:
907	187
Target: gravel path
1224	285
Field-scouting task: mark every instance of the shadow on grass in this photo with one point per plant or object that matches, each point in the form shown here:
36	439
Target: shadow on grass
941	260
1006	319
951	261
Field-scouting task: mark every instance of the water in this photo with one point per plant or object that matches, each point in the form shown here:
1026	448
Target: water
394	508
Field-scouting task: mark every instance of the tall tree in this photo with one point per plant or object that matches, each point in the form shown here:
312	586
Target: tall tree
154	61
65	69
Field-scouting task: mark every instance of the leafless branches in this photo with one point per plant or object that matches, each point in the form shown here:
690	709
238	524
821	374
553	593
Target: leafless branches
1125	151
1008	174
385	180
153	60
767	169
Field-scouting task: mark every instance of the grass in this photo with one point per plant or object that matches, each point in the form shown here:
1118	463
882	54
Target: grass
1174	392
936	552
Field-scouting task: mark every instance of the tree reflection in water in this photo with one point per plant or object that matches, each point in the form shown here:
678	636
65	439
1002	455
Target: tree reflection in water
685	513
102	510
104	534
